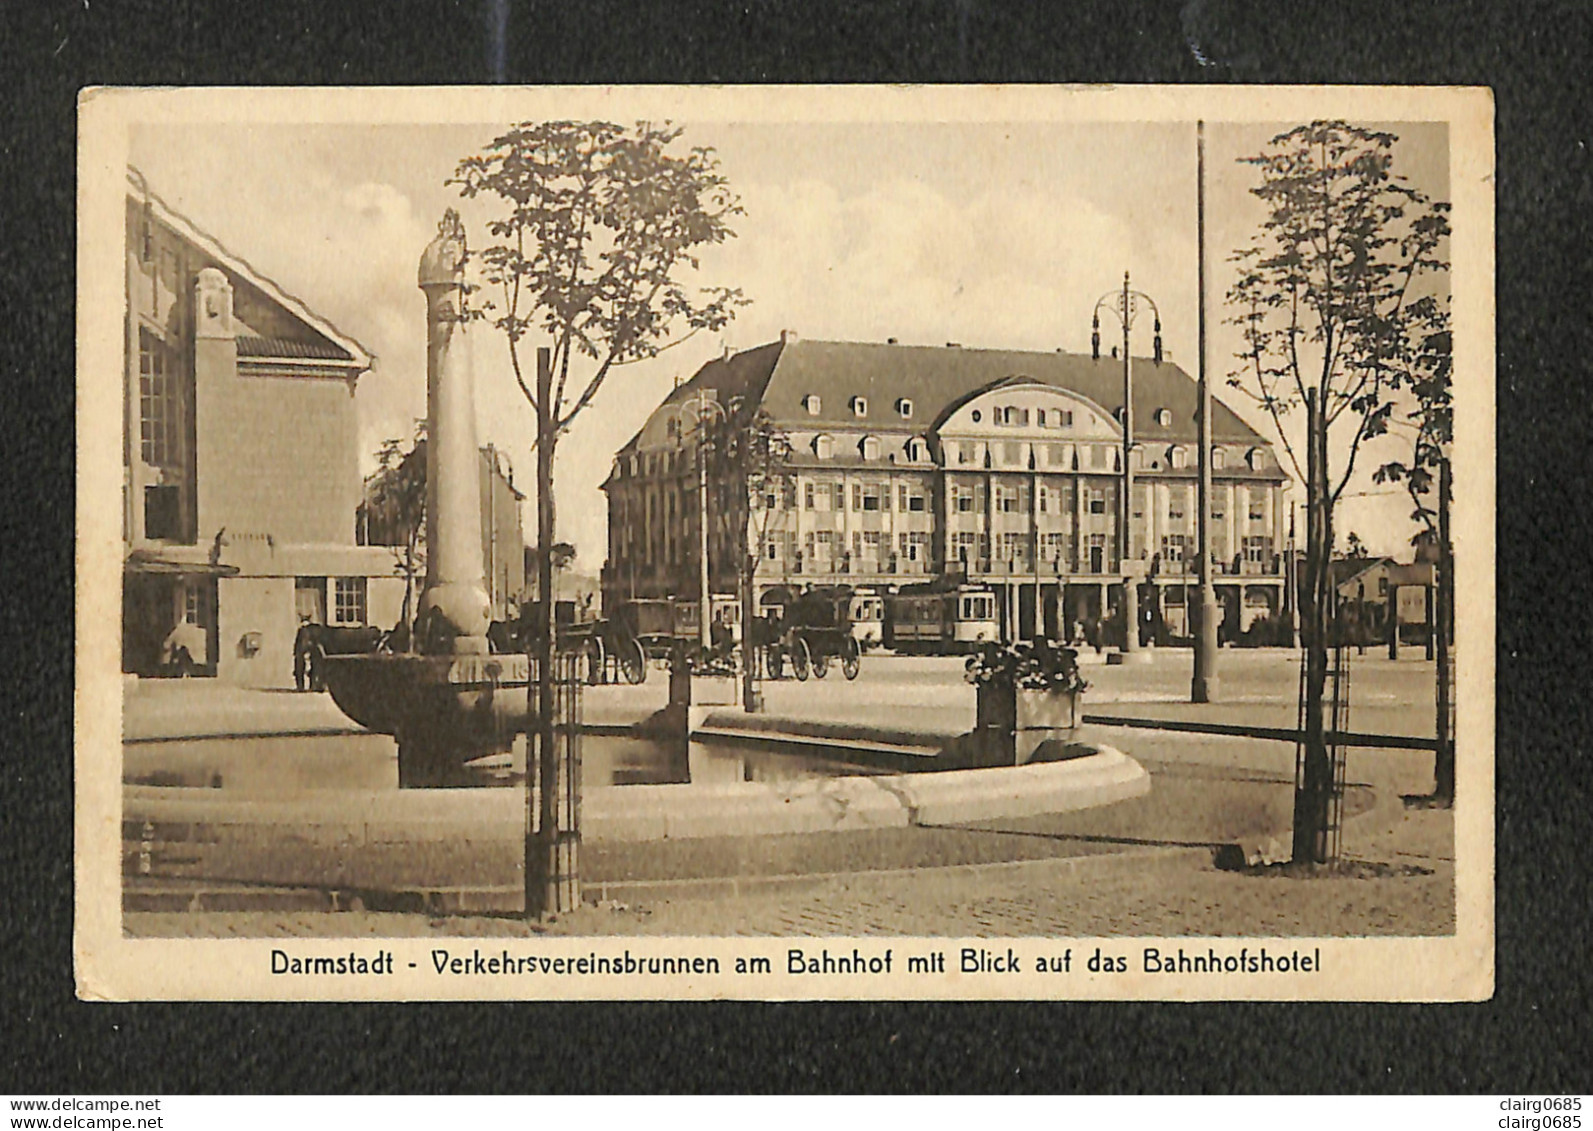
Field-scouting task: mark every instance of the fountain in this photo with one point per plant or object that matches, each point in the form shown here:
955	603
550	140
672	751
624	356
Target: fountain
448	701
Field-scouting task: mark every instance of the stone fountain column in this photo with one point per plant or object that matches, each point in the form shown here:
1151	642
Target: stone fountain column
454	607
450	701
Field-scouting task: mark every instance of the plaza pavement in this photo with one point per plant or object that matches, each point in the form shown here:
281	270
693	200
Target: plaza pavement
1140	871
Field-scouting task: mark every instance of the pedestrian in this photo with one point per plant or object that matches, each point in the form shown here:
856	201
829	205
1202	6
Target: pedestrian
303	646
177	651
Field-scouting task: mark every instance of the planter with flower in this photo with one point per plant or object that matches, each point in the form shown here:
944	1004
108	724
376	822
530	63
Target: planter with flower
1028	694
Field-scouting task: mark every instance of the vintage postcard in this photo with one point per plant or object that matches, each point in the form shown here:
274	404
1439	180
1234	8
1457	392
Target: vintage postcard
785	543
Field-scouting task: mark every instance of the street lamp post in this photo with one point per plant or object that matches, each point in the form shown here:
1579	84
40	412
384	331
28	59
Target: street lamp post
1125	304
700	410
1204	683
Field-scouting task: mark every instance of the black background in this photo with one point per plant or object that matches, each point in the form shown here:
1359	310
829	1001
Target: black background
1530	1038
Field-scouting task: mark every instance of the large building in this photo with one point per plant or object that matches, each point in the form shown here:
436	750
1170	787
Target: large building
920	464
240	462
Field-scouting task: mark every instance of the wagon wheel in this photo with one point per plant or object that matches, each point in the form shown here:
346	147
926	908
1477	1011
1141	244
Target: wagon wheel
633	662
773	662
594	660
821	664
851	659
801	659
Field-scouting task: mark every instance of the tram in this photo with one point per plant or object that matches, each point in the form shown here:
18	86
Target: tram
866	610
936	620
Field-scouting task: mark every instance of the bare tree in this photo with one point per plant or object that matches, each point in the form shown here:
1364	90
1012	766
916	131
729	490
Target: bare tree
1334	299
749	461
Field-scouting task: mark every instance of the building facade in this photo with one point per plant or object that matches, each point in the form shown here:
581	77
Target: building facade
384	520
240	462
920	464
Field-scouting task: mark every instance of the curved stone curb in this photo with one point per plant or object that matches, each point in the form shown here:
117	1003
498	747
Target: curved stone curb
643	812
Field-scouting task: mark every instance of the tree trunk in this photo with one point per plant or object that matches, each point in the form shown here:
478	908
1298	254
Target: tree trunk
1315	783
1444	597
544	869
749	657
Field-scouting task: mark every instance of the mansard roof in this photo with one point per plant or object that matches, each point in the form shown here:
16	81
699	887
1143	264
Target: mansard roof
780	375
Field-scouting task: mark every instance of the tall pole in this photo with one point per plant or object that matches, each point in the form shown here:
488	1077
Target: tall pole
705	600
1130	582
542	845
1203	686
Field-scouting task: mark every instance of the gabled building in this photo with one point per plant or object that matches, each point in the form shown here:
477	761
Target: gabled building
240	461
918	464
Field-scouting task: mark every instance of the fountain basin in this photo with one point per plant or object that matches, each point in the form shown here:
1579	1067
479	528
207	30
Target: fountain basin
443	710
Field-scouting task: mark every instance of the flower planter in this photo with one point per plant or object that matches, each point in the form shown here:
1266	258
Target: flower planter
1016	720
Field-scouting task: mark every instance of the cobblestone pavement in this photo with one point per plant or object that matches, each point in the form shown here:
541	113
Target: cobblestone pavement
1400	882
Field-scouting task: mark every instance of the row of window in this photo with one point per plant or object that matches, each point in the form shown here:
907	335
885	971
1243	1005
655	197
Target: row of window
1013	416
915	449
348	598
870	545
864	496
969	498
813	404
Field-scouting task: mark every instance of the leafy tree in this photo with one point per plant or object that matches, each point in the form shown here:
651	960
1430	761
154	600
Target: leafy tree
595	230
395	510
1431	386
1336	299
1354	547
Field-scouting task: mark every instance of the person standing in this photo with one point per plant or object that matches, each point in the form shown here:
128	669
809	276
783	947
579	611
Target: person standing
303	649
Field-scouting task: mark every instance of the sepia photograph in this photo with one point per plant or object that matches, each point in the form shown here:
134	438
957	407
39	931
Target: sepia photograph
782	543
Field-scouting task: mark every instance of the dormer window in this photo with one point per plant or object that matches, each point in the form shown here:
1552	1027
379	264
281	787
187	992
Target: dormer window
1164	417
916	452
1178	457
859	406
869	447
904	408
823	446
1217	459
1256	458
812	403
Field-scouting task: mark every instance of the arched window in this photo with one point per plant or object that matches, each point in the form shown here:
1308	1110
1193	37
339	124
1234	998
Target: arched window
812	403
1164	417
1217	459
1179	456
823	446
905	408
869	447
1256	458
917	450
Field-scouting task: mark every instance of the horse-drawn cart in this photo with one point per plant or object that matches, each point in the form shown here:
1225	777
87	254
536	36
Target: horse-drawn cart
811	632
610	649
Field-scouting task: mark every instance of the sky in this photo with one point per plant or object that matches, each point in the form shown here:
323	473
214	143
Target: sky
992	234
